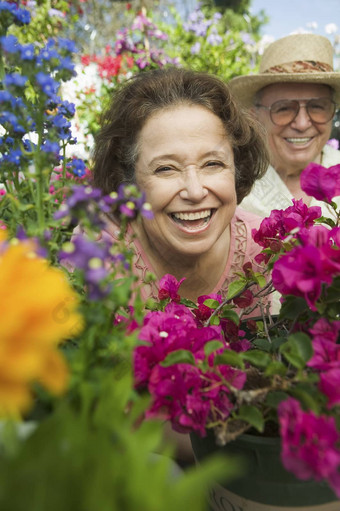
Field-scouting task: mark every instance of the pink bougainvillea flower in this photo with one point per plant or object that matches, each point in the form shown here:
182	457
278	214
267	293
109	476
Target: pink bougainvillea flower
299	273
300	215
325	330
326	350
330	386
168	288
326	355
245	299
321	182
309	444
203	312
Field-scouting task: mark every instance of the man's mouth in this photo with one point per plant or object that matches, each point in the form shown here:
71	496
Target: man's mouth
299	141
193	220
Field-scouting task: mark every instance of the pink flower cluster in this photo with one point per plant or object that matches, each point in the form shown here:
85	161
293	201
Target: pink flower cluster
307	267
176	366
274	229
321	182
314	255
310	444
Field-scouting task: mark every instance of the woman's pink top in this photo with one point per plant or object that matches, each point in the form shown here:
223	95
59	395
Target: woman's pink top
242	249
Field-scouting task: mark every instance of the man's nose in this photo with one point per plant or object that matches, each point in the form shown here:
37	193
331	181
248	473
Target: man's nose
193	186
302	120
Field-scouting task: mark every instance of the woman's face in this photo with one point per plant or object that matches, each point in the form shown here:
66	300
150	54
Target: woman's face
185	165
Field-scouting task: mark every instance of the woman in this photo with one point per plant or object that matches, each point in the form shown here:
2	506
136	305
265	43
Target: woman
182	139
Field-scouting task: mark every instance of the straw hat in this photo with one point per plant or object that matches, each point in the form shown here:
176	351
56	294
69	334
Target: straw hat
295	58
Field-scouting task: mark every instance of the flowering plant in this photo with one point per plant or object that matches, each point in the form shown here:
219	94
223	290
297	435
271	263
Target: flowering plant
68	411
211	366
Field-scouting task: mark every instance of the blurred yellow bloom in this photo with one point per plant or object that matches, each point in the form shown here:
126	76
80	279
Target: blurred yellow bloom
38	311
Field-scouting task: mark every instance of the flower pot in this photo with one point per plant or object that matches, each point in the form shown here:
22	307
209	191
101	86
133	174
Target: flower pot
265	485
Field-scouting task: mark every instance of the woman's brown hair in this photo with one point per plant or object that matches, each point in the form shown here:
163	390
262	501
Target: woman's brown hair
116	145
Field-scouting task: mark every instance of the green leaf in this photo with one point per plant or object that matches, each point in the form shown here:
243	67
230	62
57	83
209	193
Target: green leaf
256	357
262	344
213	304
306	398
179	357
260	279
212	346
253	416
230	358
275	367
274	398
230	314
292	307
234	288
214	320
298	349
188	303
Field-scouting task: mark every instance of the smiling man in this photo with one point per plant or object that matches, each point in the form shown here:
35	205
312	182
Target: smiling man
295	96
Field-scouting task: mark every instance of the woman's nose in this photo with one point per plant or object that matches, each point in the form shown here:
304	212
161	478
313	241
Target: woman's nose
193	187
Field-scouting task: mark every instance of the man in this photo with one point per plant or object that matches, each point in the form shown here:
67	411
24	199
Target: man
294	96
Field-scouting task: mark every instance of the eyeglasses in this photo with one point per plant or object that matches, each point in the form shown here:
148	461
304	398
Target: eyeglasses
283	112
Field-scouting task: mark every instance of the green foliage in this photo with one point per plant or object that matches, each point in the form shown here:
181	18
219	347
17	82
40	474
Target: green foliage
224	46
97	457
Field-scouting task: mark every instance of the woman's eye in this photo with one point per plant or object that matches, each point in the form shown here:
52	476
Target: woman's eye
214	164
164	168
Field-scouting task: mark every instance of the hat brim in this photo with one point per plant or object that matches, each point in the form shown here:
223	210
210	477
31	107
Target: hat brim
245	87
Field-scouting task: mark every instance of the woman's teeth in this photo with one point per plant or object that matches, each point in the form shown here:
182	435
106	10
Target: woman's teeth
192	216
299	141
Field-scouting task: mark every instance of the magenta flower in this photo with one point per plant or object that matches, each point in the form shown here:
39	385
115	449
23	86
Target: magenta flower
326	350
299	273
168	288
309	444
330	386
320	182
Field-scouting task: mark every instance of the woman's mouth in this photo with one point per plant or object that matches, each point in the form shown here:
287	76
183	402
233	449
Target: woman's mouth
193	220
298	141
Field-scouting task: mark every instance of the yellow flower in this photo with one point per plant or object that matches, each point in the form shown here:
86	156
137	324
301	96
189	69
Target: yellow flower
38	311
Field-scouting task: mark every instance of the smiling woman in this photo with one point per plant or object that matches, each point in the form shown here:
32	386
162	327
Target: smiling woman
180	137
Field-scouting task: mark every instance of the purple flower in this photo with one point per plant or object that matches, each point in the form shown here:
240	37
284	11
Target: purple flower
321	182
195	48
333	142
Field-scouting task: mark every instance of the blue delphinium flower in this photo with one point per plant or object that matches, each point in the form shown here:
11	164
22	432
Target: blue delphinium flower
9	43
27	52
15	79
47	84
77	166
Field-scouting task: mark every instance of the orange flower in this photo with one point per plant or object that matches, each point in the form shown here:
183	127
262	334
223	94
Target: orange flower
38	311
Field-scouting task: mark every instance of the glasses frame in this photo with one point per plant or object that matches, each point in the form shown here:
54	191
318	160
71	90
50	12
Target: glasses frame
298	101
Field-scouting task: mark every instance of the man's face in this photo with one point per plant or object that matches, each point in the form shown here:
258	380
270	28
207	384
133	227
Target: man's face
295	145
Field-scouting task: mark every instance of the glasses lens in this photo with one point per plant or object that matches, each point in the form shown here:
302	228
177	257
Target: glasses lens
284	111
320	110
